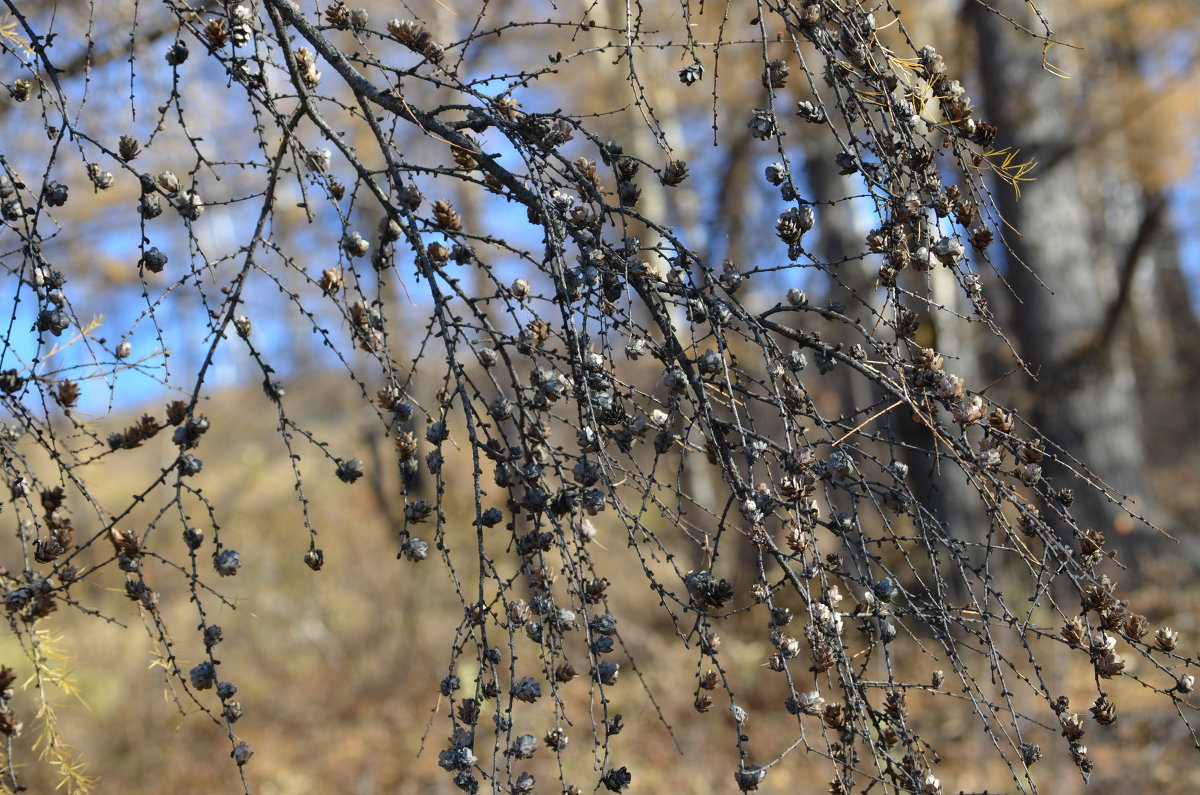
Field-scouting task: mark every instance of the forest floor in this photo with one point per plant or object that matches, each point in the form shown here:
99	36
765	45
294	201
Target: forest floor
338	670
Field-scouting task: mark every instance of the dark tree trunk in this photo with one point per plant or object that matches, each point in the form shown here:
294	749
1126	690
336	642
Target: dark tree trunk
1086	401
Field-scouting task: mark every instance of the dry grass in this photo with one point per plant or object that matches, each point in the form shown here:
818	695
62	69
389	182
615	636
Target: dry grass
338	670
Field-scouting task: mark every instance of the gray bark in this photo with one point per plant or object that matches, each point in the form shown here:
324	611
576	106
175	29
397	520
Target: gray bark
1086	400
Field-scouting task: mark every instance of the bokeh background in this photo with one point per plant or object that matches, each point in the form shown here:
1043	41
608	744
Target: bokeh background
338	670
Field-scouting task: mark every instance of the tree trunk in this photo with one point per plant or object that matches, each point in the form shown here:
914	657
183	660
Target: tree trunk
1086	397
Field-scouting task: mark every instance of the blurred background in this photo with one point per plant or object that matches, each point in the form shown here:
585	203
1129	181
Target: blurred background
1093	279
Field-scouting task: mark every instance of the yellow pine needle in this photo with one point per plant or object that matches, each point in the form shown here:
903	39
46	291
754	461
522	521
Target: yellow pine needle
1008	169
93	324
1051	68
867	96
860	426
9	32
